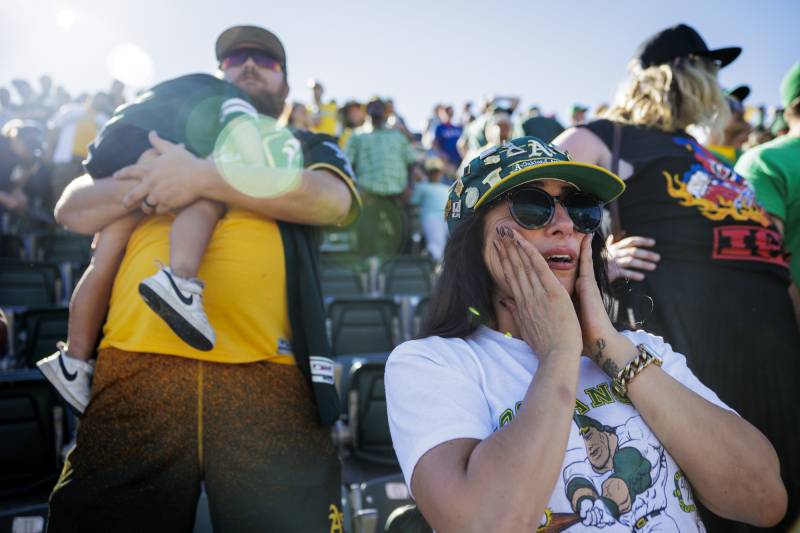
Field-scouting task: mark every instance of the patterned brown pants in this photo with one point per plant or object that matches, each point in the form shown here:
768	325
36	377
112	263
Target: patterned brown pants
157	425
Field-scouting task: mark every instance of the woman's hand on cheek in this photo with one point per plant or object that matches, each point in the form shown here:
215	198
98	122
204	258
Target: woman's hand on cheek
541	306
596	326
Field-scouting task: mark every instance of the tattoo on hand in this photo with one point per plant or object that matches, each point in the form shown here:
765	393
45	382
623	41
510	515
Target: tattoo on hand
606	364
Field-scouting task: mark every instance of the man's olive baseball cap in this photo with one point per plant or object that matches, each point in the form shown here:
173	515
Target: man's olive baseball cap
250	37
517	162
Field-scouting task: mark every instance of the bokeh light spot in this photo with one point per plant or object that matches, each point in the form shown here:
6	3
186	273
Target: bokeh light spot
131	65
65	19
259	158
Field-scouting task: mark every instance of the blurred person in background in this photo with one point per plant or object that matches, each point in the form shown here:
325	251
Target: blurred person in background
352	117
71	130
466	116
774	170
431	197
382	160
535	124
46	96
446	135
116	94
779	125
323	115
395	121
432	123
497	130
27	96
7	109
577	114
474	135
698	242
727	143
295	115
24	178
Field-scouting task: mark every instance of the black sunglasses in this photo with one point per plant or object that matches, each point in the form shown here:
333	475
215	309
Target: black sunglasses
533	208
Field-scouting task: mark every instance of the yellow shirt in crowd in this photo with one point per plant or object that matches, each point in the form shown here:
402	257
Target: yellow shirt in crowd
329	122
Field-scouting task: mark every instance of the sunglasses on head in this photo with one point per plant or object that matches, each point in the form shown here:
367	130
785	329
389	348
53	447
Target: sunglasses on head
262	59
534	208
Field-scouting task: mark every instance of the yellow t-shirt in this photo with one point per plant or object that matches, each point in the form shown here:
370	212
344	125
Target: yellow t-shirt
85	132
245	293
328	120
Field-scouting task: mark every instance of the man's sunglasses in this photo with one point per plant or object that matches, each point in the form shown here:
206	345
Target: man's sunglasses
262	59
533	208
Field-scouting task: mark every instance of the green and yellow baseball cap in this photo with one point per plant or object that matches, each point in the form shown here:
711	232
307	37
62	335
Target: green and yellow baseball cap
517	162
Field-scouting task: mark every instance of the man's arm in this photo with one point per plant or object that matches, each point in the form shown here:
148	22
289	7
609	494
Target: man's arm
177	178
320	198
88	205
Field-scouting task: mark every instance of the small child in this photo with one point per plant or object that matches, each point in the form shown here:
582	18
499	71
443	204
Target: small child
431	197
192	110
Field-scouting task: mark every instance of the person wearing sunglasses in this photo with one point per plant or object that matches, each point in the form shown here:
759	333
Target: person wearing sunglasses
248	418
522	407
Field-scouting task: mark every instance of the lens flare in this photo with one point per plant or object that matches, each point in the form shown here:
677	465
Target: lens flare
130	64
258	158
65	19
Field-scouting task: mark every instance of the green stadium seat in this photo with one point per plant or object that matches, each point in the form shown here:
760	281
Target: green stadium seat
29	284
362	325
406	275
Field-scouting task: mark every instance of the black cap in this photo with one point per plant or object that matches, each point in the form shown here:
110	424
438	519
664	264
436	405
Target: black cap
681	41
250	37
740	93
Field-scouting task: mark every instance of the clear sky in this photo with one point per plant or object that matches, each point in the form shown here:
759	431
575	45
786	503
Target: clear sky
419	52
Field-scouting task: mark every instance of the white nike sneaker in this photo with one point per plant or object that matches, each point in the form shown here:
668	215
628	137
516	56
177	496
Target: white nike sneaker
179	301
71	377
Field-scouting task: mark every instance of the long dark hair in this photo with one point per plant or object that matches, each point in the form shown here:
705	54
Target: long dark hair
462	298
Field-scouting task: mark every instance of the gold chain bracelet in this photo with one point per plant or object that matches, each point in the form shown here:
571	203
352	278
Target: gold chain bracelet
642	360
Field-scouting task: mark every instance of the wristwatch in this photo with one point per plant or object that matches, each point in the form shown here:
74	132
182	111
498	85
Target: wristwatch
643	359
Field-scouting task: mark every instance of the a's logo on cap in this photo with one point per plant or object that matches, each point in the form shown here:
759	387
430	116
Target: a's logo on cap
537	149
512	150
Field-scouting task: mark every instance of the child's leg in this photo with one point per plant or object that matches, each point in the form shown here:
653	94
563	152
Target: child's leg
190	234
174	293
89	302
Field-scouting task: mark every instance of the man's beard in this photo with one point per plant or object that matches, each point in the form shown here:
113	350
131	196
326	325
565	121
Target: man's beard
267	103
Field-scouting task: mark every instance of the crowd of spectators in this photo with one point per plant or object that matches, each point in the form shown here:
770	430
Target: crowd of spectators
46	131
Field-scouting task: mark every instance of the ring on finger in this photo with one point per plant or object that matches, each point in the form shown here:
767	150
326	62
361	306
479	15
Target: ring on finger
148	204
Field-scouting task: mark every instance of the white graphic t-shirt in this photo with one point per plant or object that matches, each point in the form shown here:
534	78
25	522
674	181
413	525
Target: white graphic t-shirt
616	475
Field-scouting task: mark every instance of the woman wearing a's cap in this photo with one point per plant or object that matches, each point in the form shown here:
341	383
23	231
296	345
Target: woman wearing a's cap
706	264
522	407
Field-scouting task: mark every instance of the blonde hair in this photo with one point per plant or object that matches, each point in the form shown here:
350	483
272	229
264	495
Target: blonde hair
672	96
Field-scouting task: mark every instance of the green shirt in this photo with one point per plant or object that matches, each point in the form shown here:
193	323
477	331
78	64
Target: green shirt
380	159
774	170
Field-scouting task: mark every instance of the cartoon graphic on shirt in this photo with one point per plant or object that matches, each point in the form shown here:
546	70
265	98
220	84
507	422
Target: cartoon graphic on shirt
623	478
714	188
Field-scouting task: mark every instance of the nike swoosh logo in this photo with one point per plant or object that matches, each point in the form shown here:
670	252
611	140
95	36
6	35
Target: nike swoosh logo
187	300
70	377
